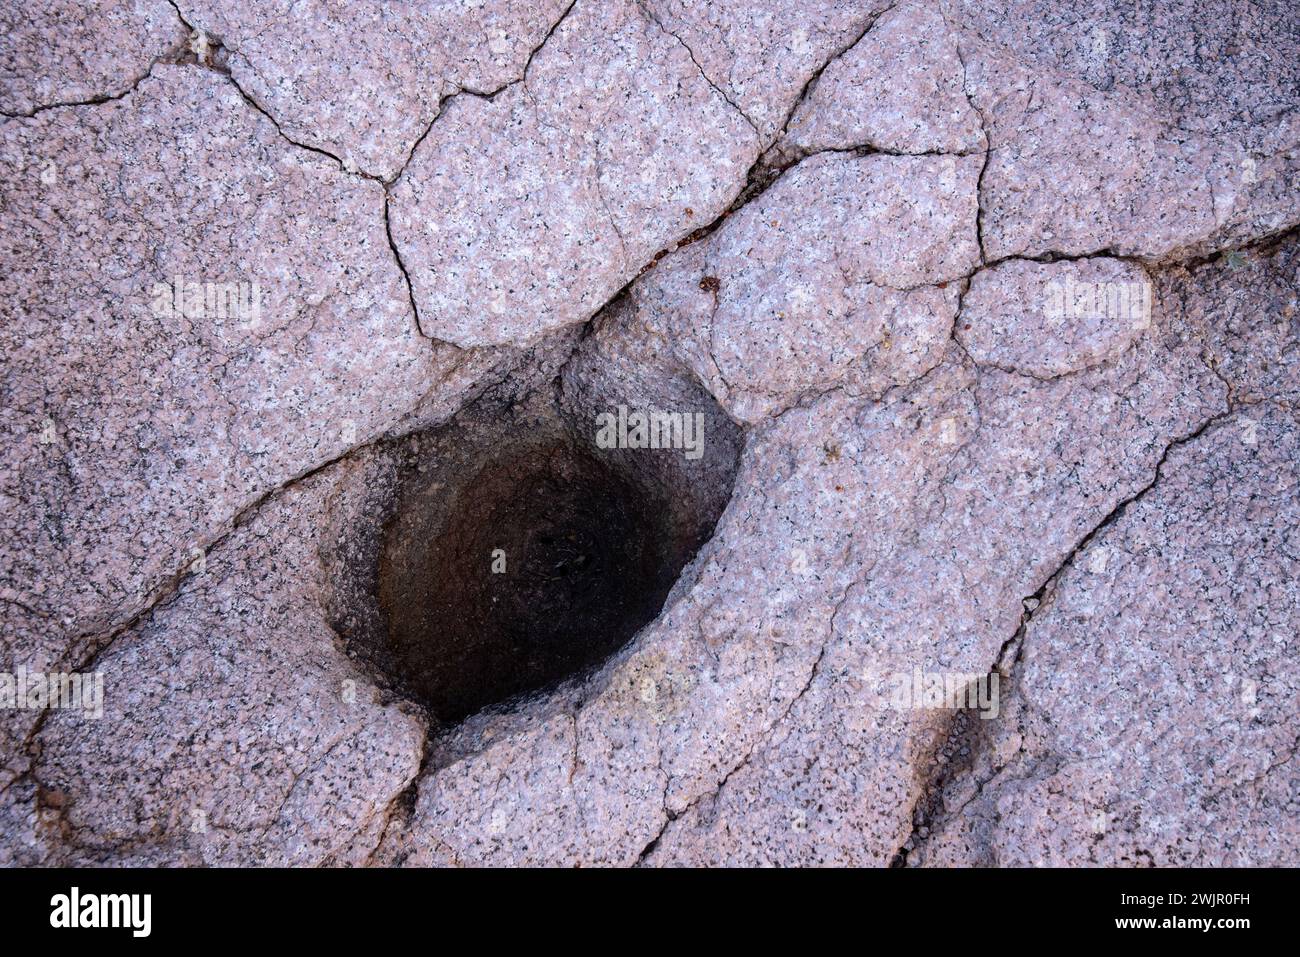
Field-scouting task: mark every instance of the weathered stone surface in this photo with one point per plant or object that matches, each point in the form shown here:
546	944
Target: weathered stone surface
1158	680
74	51
1210	67
364	80
900	89
525	213
837	779
706	683
763	55
1002	381
1244	308
856	521
222	743
1076	170
134	434
1051	319
797	290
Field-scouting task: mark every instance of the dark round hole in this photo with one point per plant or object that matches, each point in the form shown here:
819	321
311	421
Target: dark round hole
543	562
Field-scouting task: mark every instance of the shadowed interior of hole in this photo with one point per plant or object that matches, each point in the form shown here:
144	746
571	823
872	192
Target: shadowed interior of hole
548	560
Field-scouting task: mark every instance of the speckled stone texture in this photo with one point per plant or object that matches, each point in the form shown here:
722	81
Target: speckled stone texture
554	194
74	51
365	85
990	308
920	106
1155	714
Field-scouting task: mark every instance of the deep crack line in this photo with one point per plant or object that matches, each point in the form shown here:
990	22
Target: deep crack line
173	55
89	101
984	131
406	276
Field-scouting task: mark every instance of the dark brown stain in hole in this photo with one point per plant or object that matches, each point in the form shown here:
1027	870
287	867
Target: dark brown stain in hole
589	559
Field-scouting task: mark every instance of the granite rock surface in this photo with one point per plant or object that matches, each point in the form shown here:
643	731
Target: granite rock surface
987	309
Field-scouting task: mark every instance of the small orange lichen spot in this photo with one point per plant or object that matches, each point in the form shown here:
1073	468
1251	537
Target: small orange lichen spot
689	211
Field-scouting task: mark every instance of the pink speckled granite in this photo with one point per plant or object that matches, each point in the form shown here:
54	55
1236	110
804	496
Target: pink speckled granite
1051	319
763	55
806	294
994	303
1158	719
527	212
234	745
1080	169
364	80
77	51
133	438
920	106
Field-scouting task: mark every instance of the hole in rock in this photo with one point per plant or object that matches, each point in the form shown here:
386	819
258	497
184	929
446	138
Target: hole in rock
548	560
513	552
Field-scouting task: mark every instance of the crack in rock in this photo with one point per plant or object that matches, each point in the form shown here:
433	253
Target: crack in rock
634	390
